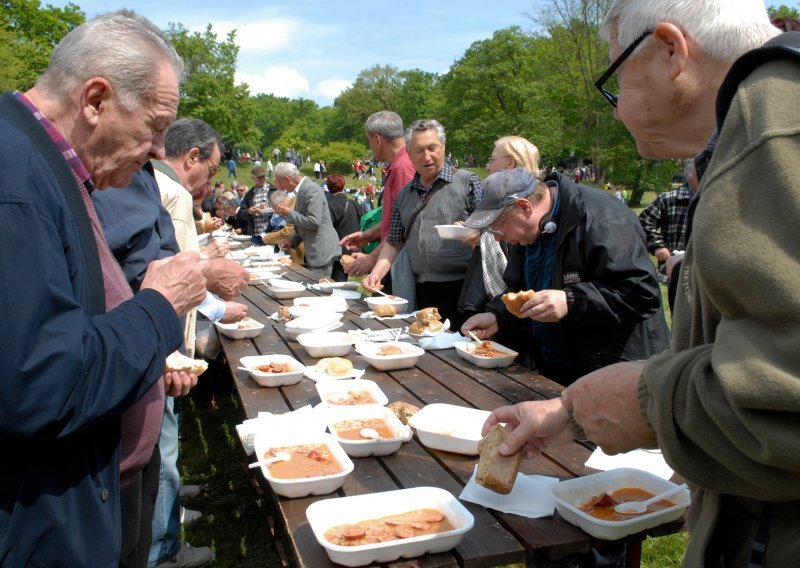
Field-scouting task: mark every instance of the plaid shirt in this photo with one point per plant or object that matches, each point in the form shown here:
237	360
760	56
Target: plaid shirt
665	222
396	229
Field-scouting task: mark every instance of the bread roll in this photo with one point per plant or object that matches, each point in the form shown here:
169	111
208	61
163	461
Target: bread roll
417	328
346	260
515	300
335	366
390	350
428	315
283	313
435	326
179	362
495	471
402	410
384	310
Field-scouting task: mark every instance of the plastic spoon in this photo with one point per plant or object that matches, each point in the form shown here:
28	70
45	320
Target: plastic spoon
474	338
279	457
639	507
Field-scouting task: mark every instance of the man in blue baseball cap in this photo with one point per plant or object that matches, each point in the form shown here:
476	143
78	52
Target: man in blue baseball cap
597	297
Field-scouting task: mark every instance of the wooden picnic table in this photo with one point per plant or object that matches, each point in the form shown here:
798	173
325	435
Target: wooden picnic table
441	376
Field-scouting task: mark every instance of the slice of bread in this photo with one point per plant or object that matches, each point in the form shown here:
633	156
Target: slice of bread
179	362
515	300
402	410
495	471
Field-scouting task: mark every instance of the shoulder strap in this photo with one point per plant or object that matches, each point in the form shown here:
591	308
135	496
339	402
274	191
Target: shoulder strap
420	206
784	46
21	117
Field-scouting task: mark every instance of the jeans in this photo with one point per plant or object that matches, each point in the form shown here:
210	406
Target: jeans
167	514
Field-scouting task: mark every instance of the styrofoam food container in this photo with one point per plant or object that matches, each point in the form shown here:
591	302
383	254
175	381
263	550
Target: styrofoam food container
456	232
400	304
330	303
273	379
236	256
463	348
328	513
326	344
569	495
284	289
202	240
233	331
243	238
409	357
334	389
449	427
363	448
304	486
329	287
313	323
260	276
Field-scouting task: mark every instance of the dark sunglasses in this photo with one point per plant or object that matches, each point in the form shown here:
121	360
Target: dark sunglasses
608	95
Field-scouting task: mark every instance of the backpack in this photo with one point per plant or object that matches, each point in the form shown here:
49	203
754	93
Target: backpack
368	220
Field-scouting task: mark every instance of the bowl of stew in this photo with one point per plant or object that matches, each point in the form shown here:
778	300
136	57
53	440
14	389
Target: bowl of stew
367	430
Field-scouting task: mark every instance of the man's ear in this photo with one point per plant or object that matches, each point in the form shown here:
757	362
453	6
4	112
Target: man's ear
672	40
192	157
96	95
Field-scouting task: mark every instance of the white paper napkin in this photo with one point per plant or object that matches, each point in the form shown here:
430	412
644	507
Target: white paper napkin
648	460
443	340
305	419
371	315
529	497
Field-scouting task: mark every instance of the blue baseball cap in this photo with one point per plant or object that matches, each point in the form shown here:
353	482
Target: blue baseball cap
500	190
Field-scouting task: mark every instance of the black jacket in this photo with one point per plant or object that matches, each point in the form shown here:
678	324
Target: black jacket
614	298
344	214
244	219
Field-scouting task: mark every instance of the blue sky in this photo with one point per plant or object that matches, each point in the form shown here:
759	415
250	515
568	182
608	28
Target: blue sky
315	48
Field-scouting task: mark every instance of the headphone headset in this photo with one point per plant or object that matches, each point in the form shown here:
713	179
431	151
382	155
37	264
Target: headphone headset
546	226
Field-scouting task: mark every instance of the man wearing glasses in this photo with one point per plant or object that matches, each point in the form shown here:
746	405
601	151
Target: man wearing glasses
723	403
255	210
597	297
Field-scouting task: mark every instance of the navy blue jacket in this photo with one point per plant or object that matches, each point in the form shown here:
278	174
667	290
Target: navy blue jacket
66	376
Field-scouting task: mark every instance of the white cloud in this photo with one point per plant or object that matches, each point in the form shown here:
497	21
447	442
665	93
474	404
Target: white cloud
331	88
258	37
279	81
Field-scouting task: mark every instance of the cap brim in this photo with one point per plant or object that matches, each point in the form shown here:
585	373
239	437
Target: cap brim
481	219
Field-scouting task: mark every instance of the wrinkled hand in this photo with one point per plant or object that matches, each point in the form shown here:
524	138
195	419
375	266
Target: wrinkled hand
234	311
216	222
226	278
181	279
547	306
354	241
363	264
533	426
282	208
372	282
254	211
662	254
179	383
217	249
482	325
605	404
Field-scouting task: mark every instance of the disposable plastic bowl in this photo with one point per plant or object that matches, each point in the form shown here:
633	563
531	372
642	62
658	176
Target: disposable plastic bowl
408	358
326	344
248	327
449	427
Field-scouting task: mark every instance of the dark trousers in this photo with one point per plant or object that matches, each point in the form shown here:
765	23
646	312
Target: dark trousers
443	295
137	501
338	274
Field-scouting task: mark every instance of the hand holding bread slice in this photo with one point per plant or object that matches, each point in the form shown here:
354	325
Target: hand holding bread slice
496	471
179	362
515	300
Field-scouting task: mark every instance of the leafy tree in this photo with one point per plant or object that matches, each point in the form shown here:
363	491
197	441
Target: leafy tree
30	33
783	12
374	89
209	92
339	156
416	96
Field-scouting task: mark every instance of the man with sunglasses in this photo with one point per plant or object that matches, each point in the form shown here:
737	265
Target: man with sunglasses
723	403
597	297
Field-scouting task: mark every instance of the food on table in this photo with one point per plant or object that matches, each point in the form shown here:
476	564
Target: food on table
180	362
335	366
403	410
385	310
390	350
254	276
276	367
247	323
495	471
435	326
285	260
428	321
393	527
602	506
283	313
326	281
417	328
351	397
485	349
310	460
346	260
515	300
428	315
363	429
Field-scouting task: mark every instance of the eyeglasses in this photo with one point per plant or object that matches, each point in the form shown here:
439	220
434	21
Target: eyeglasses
212	170
492	159
608	95
494	228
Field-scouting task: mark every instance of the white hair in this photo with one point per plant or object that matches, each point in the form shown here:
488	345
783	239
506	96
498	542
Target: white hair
287	170
123	47
723	29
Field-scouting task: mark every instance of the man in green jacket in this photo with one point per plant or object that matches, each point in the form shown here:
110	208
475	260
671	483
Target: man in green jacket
724	403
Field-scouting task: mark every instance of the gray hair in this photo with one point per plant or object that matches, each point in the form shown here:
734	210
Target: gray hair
724	29
287	170
123	47
187	133
386	123
426	124
277	198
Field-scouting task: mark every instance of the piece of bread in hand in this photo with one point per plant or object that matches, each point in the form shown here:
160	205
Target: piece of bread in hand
384	310
515	300
402	410
180	362
495	471
346	260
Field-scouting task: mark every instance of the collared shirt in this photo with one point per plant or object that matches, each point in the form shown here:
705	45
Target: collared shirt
396	228
665	223
261	220
398	174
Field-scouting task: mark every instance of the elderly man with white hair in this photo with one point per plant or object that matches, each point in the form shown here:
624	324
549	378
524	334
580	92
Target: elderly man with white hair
310	217
723	403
